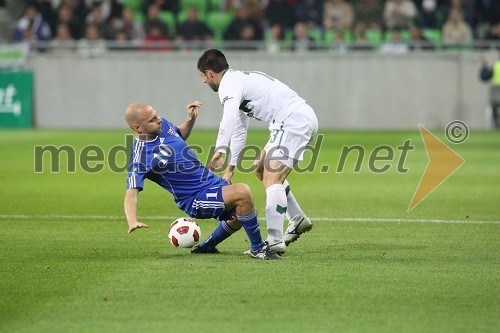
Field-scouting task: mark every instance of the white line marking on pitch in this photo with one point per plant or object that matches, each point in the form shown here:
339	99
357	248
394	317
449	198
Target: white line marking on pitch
334	219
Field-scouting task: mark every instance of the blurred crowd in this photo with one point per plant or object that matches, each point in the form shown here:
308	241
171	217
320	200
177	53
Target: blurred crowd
303	23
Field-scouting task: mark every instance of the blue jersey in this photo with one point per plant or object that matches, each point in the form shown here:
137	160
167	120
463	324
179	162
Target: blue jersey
169	162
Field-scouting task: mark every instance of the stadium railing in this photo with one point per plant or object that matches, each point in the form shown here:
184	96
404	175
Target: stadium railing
260	46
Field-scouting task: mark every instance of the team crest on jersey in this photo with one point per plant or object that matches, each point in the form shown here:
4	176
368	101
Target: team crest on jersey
171	131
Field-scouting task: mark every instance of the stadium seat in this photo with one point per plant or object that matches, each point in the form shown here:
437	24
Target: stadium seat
374	36
201	5
139	17
218	22
331	35
405	36
316	35
135	5
215	5
432	35
169	18
182	16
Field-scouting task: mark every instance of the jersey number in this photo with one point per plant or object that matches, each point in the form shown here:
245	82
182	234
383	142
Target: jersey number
276	134
260	73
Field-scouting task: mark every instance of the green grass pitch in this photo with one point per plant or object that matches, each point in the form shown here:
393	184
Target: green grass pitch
68	265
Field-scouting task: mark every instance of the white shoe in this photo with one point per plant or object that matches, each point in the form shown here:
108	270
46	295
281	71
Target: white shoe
278	246
297	226
264	253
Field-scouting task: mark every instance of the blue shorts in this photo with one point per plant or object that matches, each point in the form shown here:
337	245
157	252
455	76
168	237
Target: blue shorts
207	204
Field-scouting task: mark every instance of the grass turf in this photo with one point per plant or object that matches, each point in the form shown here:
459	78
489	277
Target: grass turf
67	264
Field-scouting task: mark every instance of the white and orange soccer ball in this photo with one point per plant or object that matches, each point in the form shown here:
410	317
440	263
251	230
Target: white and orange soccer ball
184	232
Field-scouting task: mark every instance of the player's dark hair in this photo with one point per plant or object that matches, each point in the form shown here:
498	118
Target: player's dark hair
214	60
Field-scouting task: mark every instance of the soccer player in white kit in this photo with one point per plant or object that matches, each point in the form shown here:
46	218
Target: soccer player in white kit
292	122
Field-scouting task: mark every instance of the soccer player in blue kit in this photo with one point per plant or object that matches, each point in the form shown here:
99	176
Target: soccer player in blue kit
160	154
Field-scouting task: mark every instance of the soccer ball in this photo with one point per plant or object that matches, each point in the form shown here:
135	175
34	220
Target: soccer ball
184	232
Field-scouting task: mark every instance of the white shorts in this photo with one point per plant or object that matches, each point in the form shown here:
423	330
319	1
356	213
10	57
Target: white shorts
290	138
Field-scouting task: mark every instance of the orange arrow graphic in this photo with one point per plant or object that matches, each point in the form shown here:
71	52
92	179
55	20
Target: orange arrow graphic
442	163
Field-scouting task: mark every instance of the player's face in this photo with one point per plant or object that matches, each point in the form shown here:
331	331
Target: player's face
209	81
150	123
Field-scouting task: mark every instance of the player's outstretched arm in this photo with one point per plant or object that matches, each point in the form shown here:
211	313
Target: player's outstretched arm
187	126
130	205
228	174
216	163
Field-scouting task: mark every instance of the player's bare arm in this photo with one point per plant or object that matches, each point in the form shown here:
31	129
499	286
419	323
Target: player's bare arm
216	162
187	126
130	205
228	174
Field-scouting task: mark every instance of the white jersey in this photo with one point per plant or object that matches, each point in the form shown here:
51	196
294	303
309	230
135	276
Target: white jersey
247	95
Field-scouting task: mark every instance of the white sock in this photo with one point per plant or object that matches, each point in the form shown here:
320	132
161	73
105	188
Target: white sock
275	212
293	208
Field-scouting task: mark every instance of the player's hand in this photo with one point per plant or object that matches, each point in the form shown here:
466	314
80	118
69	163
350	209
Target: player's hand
137	225
228	175
193	109
216	162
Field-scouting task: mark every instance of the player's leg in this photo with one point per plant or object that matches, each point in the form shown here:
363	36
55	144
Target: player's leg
293	207
287	144
240	197
495	108
273	176
208	204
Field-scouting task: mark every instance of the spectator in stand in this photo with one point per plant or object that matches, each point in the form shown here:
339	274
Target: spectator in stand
253	6
255	9
121	41
369	14
337	15
131	27
63	41
339	45
31	26
95	17
428	17
45	8
416	34
280	12
399	14
92	44
396	45
494	32
109	8
302	42
310	12
418	40
125	25
248	34
153	19
170	5
455	29
461	7
155	35
243	20
193	29
63	33
79	11
275	39
65	16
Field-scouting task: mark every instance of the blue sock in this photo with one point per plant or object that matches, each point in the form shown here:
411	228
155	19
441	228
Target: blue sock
249	222
222	232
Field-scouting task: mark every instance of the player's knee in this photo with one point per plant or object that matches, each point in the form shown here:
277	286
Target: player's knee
245	194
